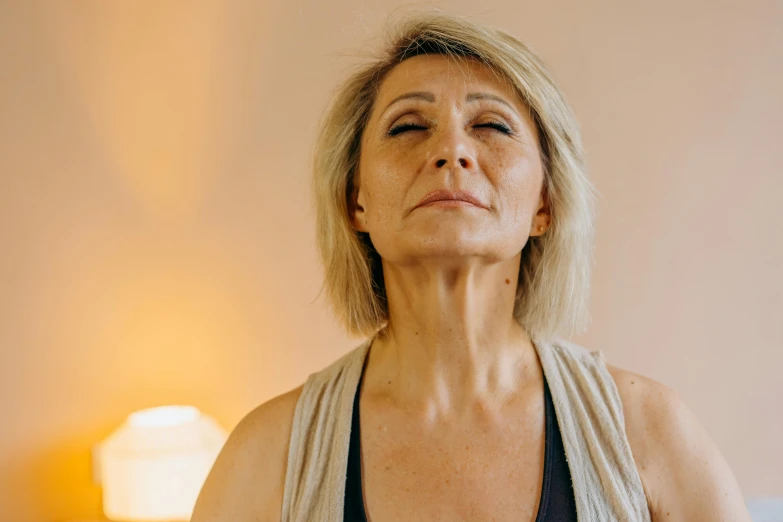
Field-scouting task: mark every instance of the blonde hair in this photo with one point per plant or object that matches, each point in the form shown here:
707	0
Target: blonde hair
554	274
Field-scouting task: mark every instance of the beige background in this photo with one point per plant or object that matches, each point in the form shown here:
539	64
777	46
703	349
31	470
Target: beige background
156	231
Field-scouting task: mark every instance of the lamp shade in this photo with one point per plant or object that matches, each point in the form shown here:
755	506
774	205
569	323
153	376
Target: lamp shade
153	466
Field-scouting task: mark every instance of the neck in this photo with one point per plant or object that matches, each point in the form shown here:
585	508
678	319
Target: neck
451	341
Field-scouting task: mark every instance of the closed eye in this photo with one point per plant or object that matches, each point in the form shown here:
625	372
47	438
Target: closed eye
497	125
404	127
505	129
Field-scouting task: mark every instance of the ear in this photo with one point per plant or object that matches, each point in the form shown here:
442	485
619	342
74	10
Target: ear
543	218
356	211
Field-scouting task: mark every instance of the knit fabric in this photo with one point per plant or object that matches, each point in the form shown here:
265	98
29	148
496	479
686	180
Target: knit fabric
607	486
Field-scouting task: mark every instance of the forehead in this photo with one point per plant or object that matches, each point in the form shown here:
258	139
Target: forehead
439	73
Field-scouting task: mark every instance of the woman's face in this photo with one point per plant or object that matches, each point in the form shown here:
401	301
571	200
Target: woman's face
442	126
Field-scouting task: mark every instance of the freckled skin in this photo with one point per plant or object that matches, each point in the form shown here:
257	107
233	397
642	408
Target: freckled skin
396	172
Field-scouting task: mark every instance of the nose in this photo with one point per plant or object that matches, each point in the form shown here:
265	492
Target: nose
442	161
452	148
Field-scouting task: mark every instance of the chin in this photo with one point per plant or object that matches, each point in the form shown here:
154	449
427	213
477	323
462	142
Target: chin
457	249
446	241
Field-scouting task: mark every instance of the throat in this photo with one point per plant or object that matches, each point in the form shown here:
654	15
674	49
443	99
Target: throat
442	384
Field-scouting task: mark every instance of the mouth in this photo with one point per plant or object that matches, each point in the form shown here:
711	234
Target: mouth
451	198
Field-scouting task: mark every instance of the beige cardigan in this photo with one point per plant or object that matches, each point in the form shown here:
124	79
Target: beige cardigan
606	483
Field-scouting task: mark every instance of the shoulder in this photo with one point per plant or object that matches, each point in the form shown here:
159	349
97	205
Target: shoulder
685	477
246	482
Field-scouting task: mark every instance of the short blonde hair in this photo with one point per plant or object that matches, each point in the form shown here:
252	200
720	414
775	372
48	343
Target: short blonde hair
554	273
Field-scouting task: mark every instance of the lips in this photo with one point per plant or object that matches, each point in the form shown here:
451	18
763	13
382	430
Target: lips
451	195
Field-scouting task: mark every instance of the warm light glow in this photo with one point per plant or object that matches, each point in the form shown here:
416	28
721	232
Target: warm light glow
163	416
153	466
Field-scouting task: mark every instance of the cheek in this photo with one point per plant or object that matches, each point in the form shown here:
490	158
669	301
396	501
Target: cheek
518	181
387	188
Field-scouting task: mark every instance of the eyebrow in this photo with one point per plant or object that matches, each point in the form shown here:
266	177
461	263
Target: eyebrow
429	97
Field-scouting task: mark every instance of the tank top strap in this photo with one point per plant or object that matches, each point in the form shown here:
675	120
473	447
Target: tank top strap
607	485
318	448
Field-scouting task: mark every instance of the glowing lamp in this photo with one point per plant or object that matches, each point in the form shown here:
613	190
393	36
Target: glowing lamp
153	466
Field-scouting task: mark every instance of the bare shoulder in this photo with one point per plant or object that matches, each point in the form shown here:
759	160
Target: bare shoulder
246	482
685	477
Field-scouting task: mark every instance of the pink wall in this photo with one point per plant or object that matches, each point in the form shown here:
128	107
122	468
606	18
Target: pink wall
157	231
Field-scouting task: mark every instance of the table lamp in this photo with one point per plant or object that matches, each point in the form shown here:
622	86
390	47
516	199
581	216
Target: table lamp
153	466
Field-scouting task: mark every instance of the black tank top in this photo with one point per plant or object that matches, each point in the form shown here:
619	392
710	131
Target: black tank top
557	502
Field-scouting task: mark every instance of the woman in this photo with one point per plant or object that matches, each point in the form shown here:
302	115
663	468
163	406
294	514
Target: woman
455	225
